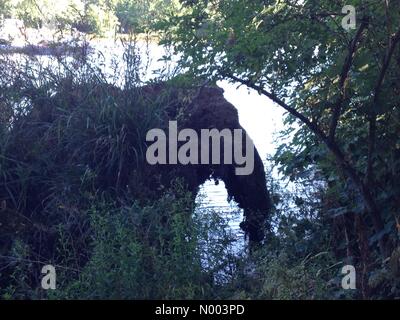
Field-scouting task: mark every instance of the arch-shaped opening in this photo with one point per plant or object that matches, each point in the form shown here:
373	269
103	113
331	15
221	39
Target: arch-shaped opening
212	200
214	196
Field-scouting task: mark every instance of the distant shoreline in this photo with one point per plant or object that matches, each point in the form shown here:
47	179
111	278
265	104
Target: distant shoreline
72	45
60	49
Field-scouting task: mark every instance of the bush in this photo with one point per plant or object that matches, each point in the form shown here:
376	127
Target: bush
65	201
148	252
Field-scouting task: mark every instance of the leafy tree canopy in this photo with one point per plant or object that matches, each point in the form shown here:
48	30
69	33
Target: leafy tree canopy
340	84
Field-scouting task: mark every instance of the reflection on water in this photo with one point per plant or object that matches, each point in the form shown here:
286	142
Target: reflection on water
214	197
262	121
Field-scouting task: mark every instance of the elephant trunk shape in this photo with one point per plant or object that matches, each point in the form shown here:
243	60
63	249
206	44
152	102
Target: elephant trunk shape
208	109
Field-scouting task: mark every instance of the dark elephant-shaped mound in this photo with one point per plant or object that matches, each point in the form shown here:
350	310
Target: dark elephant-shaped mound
208	109
101	129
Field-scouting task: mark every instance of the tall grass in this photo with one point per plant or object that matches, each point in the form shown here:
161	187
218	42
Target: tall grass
74	191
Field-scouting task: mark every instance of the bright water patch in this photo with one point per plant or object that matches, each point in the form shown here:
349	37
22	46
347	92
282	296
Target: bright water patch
215	197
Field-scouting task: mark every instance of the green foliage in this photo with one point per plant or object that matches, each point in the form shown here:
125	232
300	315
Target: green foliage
141	16
131	15
92	17
29	13
100	17
299	55
4	9
146	252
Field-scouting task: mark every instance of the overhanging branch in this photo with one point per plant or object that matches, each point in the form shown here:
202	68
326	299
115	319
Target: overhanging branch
311	125
339	156
337	108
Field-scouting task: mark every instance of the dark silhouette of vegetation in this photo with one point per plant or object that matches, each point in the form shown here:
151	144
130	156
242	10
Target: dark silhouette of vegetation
76	192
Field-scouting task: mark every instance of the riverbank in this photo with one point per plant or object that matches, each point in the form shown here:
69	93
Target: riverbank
48	49
17	39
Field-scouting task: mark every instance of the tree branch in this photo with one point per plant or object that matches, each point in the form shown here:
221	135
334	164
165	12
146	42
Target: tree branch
393	41
337	108
339	156
311	125
332	146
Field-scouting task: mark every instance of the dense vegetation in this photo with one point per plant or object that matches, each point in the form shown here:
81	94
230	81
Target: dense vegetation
341	91
89	16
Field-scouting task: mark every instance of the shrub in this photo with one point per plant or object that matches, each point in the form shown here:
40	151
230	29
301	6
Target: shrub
148	252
